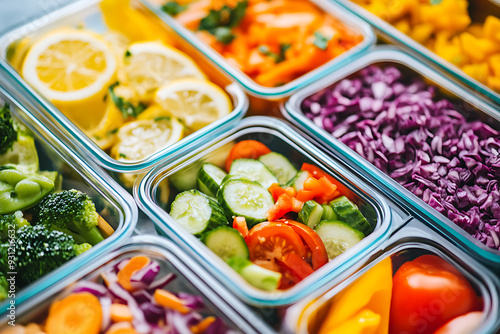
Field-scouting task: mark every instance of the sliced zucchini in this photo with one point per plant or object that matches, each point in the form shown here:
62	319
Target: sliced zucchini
298	181
279	165
328	213
196	212
259	277
337	236
210	178
310	214
349	213
253	170
246	199
226	242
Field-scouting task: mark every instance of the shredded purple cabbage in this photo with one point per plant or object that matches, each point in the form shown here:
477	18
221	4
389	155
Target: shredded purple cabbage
432	146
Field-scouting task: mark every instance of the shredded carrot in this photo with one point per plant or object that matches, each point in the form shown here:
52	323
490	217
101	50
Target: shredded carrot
202	326
166	299
120	312
121	328
134	264
103	226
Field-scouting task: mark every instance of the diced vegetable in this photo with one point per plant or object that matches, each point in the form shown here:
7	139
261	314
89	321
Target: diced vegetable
210	178
246	149
311	214
298	181
337	236
279	166
196	212
259	277
349	213
226	242
133	265
253	170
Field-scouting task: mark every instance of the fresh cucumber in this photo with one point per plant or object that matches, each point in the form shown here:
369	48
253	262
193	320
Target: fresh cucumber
310	214
279	165
337	236
298	181
328	213
259	277
196	212
246	199
226	242
210	178
253	170
185	179
349	213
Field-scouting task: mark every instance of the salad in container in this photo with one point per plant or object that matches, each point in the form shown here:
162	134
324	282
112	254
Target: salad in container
128	93
145	286
56	212
268	206
270	47
436	141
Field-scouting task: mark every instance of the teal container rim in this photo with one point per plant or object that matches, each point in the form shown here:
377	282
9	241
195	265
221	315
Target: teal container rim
78	138
394	35
291	111
250	86
144	193
88	171
411	237
237	312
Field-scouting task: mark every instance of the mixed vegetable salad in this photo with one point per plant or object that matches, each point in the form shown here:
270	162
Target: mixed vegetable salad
273	42
425	295
272	223
447	28
432	145
129	89
41	226
130	299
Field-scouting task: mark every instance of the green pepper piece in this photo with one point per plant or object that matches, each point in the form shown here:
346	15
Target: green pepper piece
19	191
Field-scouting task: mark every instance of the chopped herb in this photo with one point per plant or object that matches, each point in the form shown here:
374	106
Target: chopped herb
105	98
219	22
320	40
278	58
127	108
173	8
122	155
112	132
97	138
161	118
436	2
127	54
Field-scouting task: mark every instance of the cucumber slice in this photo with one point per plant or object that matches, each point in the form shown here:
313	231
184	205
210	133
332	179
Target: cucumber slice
279	165
186	178
310	214
328	213
226	242
259	277
337	236
253	170
298	181
196	212
210	178
348	212
245	198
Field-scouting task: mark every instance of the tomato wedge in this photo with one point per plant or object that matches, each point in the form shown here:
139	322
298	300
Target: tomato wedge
240	224
316	251
269	241
248	149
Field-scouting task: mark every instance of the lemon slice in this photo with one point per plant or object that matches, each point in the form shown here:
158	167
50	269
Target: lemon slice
195	102
72	68
105	134
141	138
150	65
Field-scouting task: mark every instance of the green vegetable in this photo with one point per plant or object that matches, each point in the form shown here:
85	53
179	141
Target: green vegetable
210	178
127	108
259	277
19	191
310	214
219	22
226	242
173	8
11	221
320	40
8	133
278	58
348	212
71	212
337	236
279	166
38	251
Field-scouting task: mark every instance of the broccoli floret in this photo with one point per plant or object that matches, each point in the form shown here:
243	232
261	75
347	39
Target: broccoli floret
38	251
14	220
8	133
71	212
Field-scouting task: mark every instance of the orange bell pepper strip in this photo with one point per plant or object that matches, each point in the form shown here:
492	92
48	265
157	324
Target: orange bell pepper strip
305	195
276	191
283	205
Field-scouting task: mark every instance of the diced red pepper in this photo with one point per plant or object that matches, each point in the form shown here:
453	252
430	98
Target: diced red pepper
276	191
305	195
296	205
240	224
291	191
282	206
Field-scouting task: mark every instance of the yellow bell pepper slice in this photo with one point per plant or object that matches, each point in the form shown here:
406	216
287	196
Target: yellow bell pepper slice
492	28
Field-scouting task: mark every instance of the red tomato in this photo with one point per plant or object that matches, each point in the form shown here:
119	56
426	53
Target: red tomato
316	251
427	293
249	149
270	241
240	224
293	269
